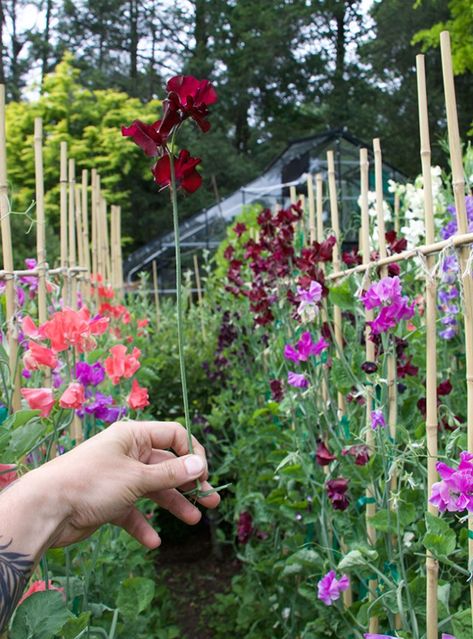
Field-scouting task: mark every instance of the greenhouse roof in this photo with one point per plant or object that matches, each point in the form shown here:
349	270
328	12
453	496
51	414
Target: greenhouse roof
207	228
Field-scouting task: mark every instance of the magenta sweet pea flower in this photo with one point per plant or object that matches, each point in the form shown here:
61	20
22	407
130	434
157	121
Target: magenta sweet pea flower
297	380
330	588
454	492
387	290
371	635
305	347
377	419
291	353
394	307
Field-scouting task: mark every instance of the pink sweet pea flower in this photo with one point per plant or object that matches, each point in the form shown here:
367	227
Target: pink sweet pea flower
330	588
73	396
29	328
120	364
37	356
7	475
39	399
299	381
138	398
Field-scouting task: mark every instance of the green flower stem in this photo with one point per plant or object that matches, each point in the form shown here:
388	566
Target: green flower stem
180	327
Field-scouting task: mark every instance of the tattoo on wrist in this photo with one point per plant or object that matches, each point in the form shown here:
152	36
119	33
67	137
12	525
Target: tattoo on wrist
15	569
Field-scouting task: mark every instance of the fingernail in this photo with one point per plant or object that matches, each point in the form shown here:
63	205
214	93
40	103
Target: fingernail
194	465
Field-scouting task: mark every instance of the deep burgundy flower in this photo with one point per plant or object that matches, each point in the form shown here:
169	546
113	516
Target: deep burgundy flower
351	258
186	174
394	269
229	252
336	489
360	452
369	367
276	390
191	97
323	456
407	368
396	245
239	229
444	388
244	527
422	405
146	136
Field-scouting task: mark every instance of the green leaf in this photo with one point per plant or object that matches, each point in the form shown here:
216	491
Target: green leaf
135	595
461	623
24	438
342	296
440	539
75	625
340	377
40	616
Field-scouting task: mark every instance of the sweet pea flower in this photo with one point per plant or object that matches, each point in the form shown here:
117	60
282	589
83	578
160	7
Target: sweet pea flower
39	399
454	492
102	407
336	489
90	374
138	398
297	380
360	452
147	136
291	353
309	298
73	396
377	419
330	588
305	347
323	456
191	98
120	364
186	175
7	475
374	635
37	356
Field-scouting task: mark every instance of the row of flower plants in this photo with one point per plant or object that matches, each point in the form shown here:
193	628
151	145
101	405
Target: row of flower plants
301	469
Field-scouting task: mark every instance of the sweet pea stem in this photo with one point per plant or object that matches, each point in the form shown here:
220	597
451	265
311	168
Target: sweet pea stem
180	327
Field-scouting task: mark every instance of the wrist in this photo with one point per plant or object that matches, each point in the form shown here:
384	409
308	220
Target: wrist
33	512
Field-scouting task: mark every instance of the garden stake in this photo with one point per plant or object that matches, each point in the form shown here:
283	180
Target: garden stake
63	185
431	425
337	312
115	248
99	231
94	231
397	220
156	292
72	282
106	244
370	357
40	220
79	235
120	256
85	231
311	200
458	185
8	261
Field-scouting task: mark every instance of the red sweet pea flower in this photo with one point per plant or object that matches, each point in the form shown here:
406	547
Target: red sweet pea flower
37	356
39	399
190	96
147	136
138	398
184	168
73	396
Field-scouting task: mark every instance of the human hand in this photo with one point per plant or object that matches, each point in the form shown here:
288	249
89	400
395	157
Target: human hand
100	480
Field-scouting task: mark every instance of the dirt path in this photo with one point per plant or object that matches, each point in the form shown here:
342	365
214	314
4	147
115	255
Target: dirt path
194	576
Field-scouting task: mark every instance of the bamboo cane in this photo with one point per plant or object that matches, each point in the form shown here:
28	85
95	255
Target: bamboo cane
63	185
99	229
397	213
293	194
79	233
199	293
156	293
370	357
72	231
115	249
85	232
458	185
120	256
106	242
311	200
40	220
337	313
8	261
431	426
94	228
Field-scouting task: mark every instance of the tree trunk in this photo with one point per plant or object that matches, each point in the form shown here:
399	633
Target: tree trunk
2	65
47	28
133	6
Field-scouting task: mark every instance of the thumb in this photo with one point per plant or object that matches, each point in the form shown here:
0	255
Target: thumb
172	473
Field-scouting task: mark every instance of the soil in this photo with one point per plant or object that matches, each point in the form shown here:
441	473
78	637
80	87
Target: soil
193	575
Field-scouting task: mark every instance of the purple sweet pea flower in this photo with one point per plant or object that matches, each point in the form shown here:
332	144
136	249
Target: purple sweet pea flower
20	296
387	289
374	635
455	490
291	353
90	374
377	419
297	380
309	298
330	588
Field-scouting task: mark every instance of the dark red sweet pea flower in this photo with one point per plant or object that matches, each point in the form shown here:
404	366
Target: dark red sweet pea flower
369	367
244	527
192	98
277	393
336	489
146	136
184	167
323	456
359	452
444	388
239	229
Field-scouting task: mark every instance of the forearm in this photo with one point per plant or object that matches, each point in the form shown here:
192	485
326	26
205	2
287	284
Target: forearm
30	519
